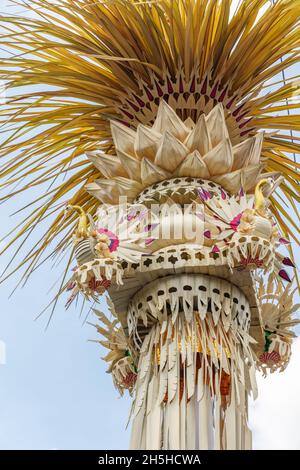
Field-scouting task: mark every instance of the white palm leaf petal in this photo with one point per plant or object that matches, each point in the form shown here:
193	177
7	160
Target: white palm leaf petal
199	137
167	120
173	148
131	165
146	142
247	153
108	165
277	320
241	203
246	178
216	125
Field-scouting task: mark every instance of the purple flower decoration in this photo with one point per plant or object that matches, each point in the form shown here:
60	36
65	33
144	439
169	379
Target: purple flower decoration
235	222
215	249
242	193
207	233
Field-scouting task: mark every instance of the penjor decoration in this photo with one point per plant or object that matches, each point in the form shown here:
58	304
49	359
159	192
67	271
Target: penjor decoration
169	120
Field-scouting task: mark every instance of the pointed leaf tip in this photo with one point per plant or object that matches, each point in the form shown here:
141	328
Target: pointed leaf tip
282	273
288	262
284	241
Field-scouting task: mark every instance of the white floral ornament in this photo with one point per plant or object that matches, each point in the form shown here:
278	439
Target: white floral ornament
244	224
124	228
273	347
99	250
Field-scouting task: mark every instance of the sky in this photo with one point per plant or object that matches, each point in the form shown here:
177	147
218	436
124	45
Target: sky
55	394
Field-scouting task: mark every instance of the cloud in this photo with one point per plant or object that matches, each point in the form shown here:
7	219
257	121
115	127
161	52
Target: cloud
274	417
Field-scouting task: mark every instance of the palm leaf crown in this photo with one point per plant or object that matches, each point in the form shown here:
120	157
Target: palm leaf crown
72	65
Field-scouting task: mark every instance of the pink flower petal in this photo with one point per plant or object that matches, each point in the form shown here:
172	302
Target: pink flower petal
235	222
207	194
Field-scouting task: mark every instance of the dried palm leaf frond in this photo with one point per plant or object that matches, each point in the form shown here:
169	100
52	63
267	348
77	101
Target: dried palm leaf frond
72	65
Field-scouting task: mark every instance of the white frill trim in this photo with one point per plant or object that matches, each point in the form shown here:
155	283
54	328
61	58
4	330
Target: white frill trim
188	293
251	251
94	277
277	320
179	187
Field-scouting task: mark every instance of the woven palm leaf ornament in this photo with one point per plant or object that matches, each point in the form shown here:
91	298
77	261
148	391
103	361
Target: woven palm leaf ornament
163	133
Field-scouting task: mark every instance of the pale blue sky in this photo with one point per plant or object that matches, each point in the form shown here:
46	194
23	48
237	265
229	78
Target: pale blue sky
54	392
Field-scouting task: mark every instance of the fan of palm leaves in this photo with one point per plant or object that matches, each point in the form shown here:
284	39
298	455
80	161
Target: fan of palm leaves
71	65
